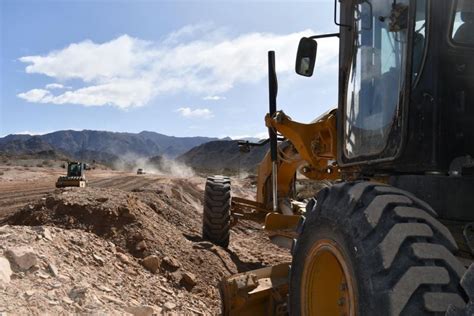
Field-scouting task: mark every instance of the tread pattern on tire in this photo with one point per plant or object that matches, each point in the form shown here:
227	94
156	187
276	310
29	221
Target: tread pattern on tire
403	254
467	283
216	213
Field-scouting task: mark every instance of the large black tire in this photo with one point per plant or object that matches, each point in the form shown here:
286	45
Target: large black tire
216	214
399	256
467	283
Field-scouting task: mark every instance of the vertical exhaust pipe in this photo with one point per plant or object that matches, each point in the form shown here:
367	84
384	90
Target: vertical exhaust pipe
273	91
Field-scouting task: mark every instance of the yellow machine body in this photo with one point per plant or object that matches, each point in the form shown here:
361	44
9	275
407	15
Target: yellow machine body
310	150
257	292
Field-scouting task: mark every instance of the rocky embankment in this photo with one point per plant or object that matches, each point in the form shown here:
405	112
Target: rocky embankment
107	251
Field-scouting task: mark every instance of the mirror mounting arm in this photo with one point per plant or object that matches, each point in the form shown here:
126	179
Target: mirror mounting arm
325	35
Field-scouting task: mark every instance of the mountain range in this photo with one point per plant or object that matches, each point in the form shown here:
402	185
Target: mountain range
223	156
123	149
101	145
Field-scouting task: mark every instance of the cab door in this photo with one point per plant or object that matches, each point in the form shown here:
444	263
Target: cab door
372	89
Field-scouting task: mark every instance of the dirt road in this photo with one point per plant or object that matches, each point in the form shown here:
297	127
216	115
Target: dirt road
18	193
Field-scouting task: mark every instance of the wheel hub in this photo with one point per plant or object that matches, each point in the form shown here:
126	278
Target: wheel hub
327	285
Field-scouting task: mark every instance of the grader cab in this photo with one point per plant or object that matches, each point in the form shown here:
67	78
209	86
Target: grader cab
393	234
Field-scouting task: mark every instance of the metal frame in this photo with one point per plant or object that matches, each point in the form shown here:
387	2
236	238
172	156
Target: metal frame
427	43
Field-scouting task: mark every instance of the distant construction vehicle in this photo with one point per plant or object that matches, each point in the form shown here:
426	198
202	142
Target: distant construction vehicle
140	171
75	176
394	234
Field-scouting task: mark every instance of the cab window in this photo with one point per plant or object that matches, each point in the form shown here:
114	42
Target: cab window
376	76
463	23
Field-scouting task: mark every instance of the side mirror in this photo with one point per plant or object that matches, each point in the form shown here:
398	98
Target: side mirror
306	57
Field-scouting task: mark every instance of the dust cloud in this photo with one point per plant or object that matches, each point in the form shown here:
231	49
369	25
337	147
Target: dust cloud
156	165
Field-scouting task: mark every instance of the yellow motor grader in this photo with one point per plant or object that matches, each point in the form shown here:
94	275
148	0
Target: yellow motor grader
75	176
394	233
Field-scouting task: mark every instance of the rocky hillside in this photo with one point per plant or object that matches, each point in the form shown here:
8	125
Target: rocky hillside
21	146
223	156
101	145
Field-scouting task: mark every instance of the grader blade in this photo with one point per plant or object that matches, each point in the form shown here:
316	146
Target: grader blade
281	229
280	224
258	292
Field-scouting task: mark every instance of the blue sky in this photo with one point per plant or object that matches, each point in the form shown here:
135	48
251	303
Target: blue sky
174	67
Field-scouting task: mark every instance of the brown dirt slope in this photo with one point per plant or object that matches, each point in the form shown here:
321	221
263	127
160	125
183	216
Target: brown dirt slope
163	219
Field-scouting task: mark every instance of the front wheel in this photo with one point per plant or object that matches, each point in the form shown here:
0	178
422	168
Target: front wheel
371	249
216	214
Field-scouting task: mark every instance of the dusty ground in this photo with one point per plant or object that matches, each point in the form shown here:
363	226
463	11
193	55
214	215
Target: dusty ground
21	185
101	237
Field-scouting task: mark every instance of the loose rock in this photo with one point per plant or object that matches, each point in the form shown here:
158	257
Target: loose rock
67	300
47	234
22	257
42	275
151	263
104	288
170	263
30	293
123	258
169	306
4	229
99	259
5	270
53	269
140	310
188	280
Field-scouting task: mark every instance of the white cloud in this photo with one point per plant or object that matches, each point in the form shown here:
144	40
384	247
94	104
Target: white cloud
121	93
91	62
128	72
51	86
196	113
187	32
213	98
36	95
32	133
261	135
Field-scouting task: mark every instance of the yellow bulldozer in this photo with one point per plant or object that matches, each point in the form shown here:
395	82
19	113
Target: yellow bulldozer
393	231
75	177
